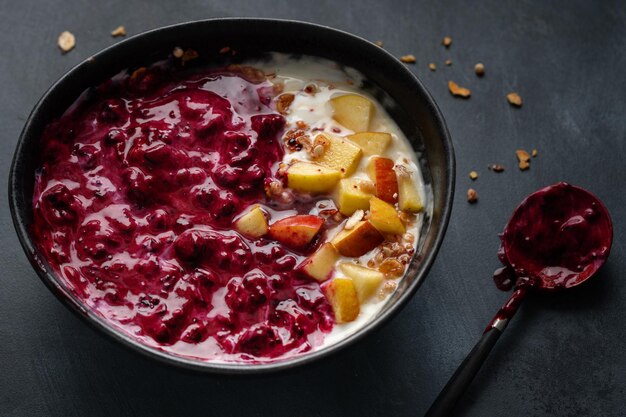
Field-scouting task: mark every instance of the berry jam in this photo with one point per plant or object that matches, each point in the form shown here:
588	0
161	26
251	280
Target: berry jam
556	239
138	186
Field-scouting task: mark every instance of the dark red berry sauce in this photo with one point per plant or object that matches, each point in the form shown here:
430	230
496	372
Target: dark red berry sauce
138	185
557	238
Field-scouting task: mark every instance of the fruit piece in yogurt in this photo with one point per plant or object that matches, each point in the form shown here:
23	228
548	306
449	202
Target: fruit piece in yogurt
409	198
372	143
312	178
366	281
352	195
296	231
343	298
353	111
382	173
359	240
321	264
384	217
337	153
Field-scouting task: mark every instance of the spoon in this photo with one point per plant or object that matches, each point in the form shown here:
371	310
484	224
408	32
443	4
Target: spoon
556	239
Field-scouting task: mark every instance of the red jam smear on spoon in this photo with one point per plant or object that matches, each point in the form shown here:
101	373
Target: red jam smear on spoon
556	239
134	200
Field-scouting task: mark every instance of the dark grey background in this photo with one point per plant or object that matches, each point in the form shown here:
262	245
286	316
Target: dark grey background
563	355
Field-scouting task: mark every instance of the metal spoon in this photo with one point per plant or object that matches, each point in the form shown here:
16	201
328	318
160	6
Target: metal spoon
556	239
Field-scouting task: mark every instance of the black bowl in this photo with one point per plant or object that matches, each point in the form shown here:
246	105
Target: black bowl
400	92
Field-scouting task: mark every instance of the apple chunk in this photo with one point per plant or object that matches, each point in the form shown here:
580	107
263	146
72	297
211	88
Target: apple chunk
409	198
381	172
385	218
366	281
321	264
359	240
352	196
338	153
296	231
353	111
252	224
372	143
342	296
312	178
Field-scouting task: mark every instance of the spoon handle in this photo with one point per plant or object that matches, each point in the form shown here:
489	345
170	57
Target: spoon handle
465	373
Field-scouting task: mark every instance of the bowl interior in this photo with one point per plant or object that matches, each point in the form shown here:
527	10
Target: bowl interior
402	95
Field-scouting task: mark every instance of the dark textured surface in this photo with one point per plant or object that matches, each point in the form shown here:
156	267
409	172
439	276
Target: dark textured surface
562	355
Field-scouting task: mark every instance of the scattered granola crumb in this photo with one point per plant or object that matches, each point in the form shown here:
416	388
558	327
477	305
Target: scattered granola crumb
66	41
225	50
514	99
535	153
455	90
447	41
379	44
432	66
523	158
479	69
473	175
283	102
189	54
118	31
408	59
317	151
522	155
472	195
448	62
392	268
387	288
496	167
178	52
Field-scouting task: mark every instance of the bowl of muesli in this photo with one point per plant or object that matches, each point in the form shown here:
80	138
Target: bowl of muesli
234	195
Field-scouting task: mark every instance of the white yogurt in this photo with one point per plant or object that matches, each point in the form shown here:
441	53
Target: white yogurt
315	110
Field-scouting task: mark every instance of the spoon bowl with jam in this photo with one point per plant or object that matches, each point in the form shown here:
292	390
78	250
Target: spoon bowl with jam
556	239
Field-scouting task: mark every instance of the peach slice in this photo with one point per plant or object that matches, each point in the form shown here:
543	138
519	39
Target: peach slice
372	143
366	281
312	178
296	231
359	240
342	296
321	264
385	218
381	172
252	224
353	111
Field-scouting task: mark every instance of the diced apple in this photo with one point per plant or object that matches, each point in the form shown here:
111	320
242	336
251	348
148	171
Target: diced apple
353	111
312	178
338	153
252	224
321	264
342	296
359	240
296	231
408	197
384	217
366	281
351	196
372	143
381	172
